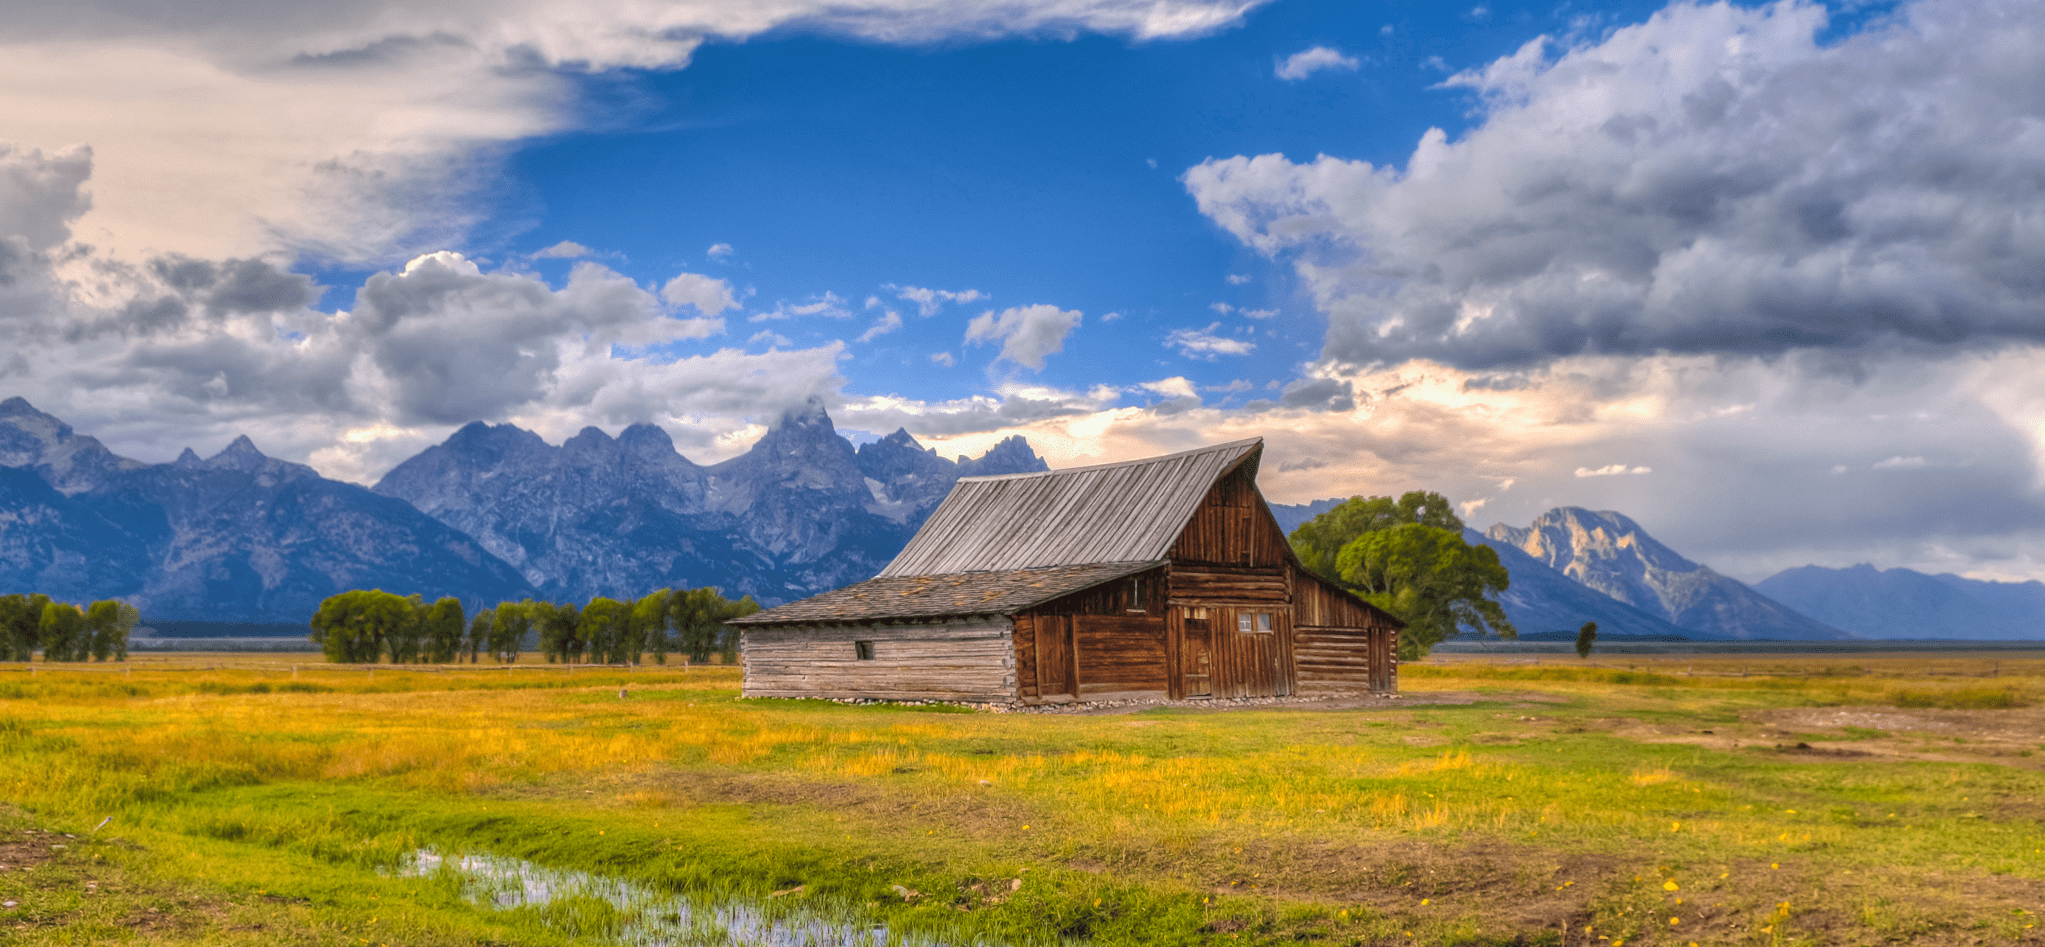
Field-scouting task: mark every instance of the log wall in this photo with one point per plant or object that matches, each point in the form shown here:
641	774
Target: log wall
964	659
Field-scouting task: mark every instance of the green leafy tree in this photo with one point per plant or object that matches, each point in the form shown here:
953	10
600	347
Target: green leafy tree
698	617
107	625
509	626
1408	557
650	625
478	638
1585	637
560	628
21	618
606	629
357	627
406	644
444	624
62	629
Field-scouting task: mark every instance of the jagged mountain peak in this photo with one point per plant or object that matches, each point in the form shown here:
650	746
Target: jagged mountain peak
591	438
187	458
70	462
1011	455
1609	552
1566	534
643	435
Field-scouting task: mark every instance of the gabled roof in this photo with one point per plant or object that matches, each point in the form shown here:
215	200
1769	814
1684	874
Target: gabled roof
934	596
1111	513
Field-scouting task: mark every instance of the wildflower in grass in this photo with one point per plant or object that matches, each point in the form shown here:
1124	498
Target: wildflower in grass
1669	886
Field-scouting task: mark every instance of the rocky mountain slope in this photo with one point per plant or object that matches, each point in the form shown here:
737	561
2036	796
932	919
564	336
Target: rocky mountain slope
801	512
1904	603
1610	553
238	537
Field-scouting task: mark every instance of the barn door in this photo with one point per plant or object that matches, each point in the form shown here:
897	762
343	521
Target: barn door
1056	668
1382	654
1196	653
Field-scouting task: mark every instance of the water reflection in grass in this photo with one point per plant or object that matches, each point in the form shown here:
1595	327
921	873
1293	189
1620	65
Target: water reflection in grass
609	910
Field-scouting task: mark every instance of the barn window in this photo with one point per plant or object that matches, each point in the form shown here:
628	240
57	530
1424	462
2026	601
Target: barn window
863	649
1253	623
1136	594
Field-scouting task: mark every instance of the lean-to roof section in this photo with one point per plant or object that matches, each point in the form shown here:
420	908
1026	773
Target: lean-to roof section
1126	512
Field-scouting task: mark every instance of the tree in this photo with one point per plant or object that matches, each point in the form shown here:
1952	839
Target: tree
62	630
1318	541
1585	637
21	618
478	638
443	626
560	627
508	628
107	625
650	625
698	617
1408	557
356	627
606	626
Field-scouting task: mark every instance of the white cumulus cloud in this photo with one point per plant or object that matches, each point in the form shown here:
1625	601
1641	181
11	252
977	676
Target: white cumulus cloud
1714	180
1027	333
1205	344
709	295
1306	62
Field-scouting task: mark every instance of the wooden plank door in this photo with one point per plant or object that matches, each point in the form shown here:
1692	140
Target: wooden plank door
1196	653
1056	668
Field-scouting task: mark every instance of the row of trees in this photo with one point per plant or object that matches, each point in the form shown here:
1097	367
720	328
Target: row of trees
63	631
365	626
1408	557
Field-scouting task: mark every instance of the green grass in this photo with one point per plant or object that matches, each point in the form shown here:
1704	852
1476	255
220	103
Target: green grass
1539	802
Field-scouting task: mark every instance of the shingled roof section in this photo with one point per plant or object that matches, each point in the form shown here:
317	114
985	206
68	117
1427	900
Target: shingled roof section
933	596
1127	512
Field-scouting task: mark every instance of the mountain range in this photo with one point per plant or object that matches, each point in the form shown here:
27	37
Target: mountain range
495	512
1902	603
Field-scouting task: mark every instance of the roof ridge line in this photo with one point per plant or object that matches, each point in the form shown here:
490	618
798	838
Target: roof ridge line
1119	463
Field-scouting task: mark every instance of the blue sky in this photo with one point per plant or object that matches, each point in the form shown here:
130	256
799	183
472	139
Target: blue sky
1761	276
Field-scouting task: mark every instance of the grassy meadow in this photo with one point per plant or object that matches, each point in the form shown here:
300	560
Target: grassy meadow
205	799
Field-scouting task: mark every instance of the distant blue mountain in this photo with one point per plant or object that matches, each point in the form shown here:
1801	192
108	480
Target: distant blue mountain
799	513
1903	603
1607	552
238	537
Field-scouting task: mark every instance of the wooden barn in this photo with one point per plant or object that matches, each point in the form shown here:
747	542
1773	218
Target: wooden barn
1162	577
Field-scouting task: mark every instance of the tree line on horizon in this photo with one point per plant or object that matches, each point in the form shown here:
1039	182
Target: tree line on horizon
31	622
368	625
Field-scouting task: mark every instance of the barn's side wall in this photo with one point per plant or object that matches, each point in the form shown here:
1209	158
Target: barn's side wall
1094	645
1341	646
962	659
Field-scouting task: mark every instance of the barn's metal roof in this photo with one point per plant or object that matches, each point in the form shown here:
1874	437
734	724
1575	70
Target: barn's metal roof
1112	513
931	596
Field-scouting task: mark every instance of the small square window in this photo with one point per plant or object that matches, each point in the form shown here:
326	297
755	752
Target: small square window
863	649
1253	623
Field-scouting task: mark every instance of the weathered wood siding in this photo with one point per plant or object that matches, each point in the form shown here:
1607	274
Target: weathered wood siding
965	659
1232	527
1119	655
1341	645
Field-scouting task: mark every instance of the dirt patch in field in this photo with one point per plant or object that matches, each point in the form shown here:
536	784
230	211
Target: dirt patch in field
2013	738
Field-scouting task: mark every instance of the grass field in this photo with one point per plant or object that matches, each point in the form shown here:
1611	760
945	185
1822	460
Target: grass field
202	799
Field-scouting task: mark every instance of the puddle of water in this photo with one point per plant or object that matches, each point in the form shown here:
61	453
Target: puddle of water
621	912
